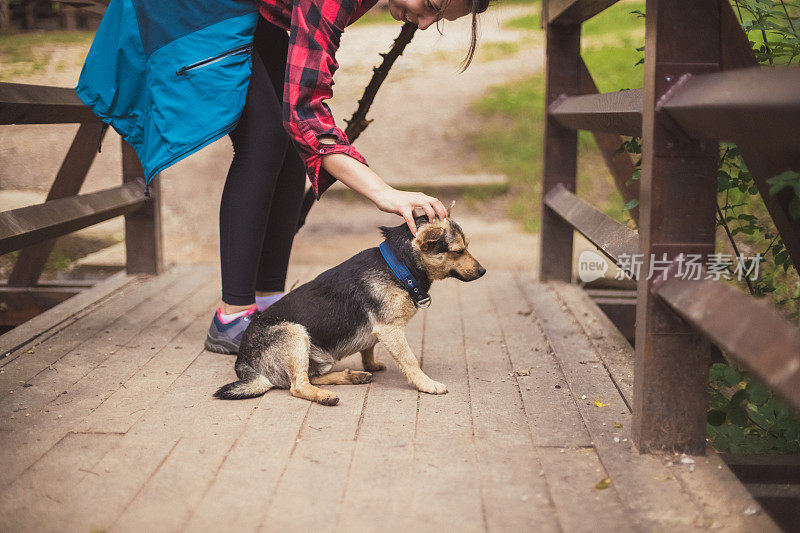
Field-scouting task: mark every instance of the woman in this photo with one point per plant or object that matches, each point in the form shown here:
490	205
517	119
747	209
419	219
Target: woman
137	79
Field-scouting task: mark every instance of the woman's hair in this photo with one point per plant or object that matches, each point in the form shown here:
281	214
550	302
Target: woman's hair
476	7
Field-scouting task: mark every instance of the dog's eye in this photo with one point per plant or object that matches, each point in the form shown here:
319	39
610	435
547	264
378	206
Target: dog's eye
458	252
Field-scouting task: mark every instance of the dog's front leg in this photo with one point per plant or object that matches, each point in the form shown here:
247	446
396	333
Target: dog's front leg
394	339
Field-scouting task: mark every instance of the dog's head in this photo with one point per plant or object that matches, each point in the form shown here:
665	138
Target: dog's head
441	248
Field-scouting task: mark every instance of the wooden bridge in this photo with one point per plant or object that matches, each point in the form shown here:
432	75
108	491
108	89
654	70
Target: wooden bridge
553	422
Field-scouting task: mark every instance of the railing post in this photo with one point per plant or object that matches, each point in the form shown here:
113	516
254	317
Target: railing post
560	149
143	241
68	182
677	214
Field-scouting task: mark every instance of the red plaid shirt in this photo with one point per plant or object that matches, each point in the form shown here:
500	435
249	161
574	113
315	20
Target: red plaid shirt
315	28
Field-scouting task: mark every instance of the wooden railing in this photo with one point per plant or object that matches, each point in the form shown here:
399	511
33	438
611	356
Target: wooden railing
701	85
32	230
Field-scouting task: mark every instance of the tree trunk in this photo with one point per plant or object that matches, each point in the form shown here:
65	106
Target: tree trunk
30	14
5	17
69	19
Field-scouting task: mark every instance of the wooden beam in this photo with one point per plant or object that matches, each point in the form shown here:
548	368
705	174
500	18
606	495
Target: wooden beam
617	112
748	329
144	252
20	228
759	110
560	149
736	49
762	159
575	11
39	104
68	182
677	215
96	7
18	305
744	106
619	163
610	237
60	316
763	468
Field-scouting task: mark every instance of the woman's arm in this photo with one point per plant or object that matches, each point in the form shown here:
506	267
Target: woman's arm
363	180
315	34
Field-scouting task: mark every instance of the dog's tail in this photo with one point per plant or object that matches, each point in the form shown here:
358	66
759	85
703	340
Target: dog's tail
250	385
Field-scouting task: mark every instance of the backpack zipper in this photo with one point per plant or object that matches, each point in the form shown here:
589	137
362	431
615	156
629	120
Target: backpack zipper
234	51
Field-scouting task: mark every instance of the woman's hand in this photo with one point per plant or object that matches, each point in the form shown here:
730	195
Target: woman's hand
363	180
403	203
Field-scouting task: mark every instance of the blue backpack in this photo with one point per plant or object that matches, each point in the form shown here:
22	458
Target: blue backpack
170	76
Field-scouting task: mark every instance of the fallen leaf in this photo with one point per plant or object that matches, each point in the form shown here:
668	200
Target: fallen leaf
598	403
603	484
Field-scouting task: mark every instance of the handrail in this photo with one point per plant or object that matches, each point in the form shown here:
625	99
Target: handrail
692	98
758	109
741	106
610	237
38	223
39	104
617	112
747	328
575	11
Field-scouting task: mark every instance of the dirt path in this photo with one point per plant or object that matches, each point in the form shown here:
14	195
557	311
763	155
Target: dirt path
420	120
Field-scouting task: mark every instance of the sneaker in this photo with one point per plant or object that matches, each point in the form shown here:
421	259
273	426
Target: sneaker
225	337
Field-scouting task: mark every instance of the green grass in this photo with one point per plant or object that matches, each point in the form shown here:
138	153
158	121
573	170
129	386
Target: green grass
23	54
494	50
511	140
525	22
490	51
376	16
20	47
615	20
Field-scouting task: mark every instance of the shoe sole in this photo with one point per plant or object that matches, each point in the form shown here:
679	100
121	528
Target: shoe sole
217	346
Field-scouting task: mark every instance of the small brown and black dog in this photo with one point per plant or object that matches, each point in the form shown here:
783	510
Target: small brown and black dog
350	308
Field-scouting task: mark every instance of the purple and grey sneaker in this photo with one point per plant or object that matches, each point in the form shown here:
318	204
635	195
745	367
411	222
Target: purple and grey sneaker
224	337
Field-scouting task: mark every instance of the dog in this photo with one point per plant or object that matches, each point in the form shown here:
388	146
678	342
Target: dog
367	299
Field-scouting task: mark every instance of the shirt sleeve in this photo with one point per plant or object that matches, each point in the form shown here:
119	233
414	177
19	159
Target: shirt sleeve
314	36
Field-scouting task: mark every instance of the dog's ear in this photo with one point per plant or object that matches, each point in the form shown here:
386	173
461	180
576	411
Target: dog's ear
428	236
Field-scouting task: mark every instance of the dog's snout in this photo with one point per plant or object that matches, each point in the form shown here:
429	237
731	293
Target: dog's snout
481	271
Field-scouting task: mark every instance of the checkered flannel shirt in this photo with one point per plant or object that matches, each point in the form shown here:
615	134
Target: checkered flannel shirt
315	28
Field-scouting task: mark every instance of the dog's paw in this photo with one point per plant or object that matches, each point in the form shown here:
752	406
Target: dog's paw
375	367
432	387
357	378
327	398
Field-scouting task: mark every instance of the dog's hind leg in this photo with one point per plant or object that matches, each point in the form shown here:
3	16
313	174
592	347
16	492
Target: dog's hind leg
394	339
345	377
297	354
368	359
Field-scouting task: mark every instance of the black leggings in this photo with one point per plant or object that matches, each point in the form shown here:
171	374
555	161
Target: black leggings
264	188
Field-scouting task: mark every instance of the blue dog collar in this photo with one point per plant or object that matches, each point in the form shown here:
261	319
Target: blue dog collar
421	298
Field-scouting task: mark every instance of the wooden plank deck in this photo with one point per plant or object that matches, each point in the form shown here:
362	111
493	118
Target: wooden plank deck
107	423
